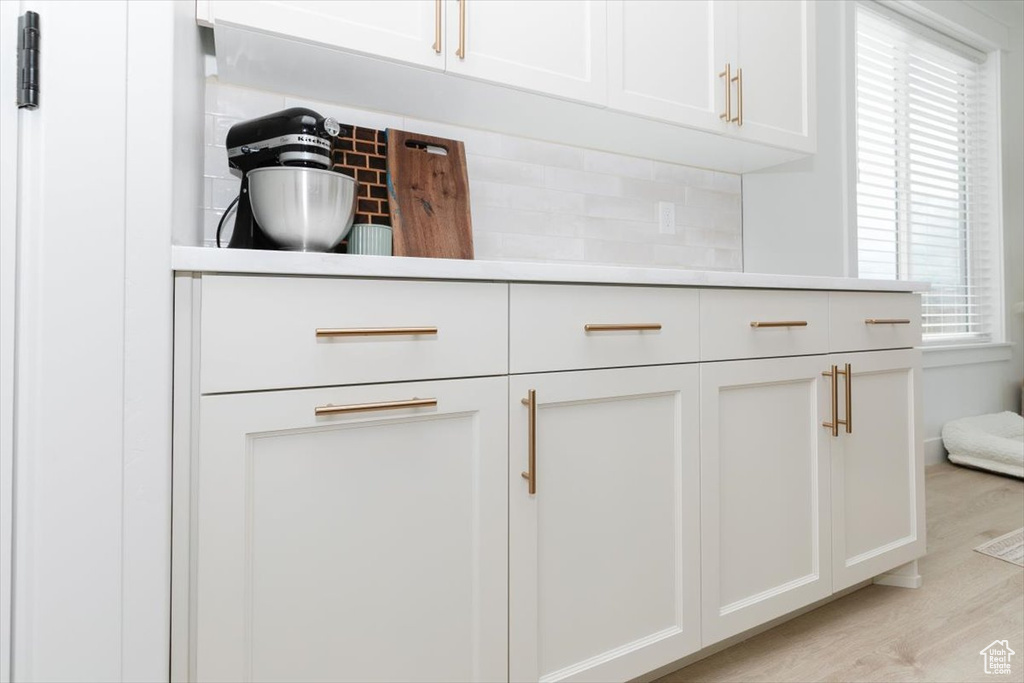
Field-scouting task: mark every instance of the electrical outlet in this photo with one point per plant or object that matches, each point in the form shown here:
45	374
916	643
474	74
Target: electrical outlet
666	218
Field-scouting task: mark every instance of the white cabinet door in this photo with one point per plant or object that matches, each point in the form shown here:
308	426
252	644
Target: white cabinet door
775	50
403	30
362	546
765	522
556	47
664	60
604	564
878	519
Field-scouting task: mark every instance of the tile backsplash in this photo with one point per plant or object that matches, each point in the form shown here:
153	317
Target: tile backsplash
532	200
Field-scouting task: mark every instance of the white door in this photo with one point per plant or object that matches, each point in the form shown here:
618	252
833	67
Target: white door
877	467
664	59
775	50
362	546
604	566
765	523
402	30
556	47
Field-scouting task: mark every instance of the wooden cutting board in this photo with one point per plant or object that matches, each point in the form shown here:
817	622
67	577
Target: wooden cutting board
429	196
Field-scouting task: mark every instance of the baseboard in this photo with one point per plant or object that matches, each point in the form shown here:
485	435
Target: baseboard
934	451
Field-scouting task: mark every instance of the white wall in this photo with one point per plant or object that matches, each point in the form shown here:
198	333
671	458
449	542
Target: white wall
796	217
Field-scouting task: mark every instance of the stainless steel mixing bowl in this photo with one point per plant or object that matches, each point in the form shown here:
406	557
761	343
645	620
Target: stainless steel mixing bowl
303	209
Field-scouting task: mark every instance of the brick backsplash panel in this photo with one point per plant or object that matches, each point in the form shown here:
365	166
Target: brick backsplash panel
530	200
362	153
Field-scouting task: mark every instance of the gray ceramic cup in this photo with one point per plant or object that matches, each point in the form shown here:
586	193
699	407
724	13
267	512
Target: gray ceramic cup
370	239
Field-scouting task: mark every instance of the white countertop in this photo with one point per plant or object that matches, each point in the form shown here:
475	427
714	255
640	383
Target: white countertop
210	260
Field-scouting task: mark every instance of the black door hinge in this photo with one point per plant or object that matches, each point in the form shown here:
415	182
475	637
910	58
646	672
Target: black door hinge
28	60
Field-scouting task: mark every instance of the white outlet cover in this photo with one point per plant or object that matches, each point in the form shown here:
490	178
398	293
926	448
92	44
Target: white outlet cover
666	218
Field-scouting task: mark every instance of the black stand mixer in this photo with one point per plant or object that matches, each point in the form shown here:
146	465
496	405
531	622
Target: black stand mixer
293	137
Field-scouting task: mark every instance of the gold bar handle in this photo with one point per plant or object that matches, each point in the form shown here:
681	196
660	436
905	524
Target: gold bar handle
461	51
834	389
374	331
330	409
727	75
530	475
623	327
848	376
738	79
886	321
437	26
778	323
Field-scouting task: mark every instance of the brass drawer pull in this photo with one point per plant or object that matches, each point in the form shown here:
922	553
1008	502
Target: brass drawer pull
727	75
368	407
779	323
460	52
373	331
887	321
437	26
738	78
848	376
530	475
832	374
623	327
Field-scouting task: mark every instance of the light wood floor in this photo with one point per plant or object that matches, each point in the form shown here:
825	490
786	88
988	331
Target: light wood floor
880	633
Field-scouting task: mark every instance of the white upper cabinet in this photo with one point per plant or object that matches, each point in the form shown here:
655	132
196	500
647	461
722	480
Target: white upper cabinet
773	96
402	30
556	47
664	59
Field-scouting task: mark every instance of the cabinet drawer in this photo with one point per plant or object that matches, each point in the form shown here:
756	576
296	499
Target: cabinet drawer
736	324
567	327
862	321
281	332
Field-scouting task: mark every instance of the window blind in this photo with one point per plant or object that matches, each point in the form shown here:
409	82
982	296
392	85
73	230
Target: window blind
924	188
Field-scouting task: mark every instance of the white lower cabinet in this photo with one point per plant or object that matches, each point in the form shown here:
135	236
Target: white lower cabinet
607	510
367	544
765	520
604	556
877	467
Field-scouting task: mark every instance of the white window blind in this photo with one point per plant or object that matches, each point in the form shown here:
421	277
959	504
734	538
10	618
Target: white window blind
924	188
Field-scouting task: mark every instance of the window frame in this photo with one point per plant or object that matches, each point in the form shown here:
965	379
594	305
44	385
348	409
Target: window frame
948	33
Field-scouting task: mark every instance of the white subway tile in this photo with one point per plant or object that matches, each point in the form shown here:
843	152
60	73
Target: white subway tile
685	175
520	221
538	152
223	191
727	182
621	207
541	248
655	191
582	181
215	162
240	103
614	230
617	164
494	170
709	199
486	245
623	253
696	258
